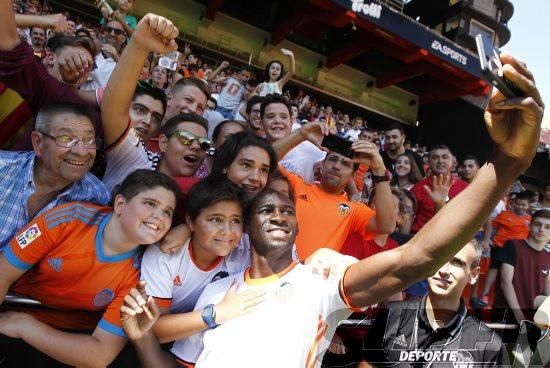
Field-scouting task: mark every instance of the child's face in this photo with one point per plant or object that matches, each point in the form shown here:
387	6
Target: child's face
520	206
147	217
125	5
218	228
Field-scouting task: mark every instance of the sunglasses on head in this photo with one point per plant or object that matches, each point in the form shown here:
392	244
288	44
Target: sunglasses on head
187	138
118	32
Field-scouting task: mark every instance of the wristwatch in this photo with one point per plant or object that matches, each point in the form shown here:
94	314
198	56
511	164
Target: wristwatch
208	315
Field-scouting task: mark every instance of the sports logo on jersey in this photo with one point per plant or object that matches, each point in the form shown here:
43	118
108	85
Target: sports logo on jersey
400	340
30	235
220	275
104	297
303	197
55	263
344	209
177	280
544	271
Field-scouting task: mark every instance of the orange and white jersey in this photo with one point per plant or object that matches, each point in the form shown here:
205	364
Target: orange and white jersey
291	328
176	282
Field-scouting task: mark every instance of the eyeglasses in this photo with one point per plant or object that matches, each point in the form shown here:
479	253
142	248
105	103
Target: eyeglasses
68	141
186	138
118	32
145	84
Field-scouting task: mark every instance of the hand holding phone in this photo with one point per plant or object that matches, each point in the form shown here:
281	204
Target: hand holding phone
491	67
338	144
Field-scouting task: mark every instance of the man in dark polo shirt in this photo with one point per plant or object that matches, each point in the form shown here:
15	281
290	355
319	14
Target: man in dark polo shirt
436	330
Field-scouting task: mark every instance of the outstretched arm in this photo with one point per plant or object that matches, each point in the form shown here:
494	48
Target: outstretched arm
291	71
153	34
514	126
213	76
55	22
8	28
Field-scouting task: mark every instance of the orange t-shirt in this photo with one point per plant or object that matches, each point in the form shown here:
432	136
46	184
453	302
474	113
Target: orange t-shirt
509	225
66	270
325	220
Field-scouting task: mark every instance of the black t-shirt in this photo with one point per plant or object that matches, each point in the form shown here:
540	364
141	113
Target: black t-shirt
401	336
390	162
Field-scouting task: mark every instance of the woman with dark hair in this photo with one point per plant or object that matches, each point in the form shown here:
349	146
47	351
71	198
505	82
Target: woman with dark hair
406	172
275	77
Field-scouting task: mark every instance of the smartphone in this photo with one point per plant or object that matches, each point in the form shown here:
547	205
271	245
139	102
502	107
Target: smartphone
489	59
338	144
170	61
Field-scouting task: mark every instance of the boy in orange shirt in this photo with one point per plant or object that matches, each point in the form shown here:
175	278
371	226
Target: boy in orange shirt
512	224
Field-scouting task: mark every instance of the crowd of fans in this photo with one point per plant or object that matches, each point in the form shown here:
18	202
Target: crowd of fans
124	167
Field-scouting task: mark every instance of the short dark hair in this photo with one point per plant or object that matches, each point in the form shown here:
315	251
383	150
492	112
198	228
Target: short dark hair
540	214
30	29
187	117
253	101
226	154
85	31
191	81
278	175
245	68
219	127
48	112
209	191
273	98
395	126
252	82
153	92
470	157
440	146
212	99
144	179
522	196
59	41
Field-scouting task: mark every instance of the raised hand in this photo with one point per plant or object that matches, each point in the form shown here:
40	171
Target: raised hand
368	154
139	312
287	52
156	34
315	132
224	64
110	51
234	305
440	189
514	123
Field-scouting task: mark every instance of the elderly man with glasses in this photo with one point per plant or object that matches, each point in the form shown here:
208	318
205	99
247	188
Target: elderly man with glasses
56	172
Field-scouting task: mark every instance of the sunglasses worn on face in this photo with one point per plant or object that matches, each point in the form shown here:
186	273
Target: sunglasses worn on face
118	32
186	138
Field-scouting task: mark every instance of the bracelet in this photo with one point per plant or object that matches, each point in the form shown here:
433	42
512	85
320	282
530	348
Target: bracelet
380	179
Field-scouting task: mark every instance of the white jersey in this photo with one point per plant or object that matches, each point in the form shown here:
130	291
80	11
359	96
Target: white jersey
125	156
176	282
291	328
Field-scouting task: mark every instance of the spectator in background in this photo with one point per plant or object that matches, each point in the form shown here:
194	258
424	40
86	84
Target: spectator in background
275	77
507	225
38	42
233	90
353	133
253	111
105	61
524	272
469	168
71	27
440	160
395	139
250	88
159	77
211	104
367	134
122	15
406	173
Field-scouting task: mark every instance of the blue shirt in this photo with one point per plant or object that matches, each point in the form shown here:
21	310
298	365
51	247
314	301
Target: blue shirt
17	185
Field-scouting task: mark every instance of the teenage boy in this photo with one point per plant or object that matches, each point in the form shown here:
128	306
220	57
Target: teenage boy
233	91
524	271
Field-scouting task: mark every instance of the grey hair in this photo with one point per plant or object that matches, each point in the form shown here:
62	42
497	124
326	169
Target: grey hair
48	112
478	247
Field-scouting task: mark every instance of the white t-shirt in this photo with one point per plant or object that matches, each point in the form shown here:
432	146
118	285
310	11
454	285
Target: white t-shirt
353	134
127	155
177	282
231	95
238	115
291	328
270	88
100	76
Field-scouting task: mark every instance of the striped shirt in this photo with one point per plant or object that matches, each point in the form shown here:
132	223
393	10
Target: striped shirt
17	185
